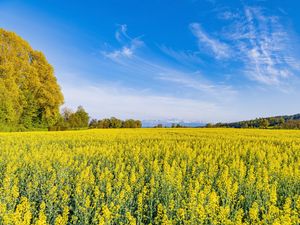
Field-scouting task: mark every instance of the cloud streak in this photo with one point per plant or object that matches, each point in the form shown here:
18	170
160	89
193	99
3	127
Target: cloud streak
258	42
199	84
129	45
121	33
206	42
251	43
188	58
262	44
159	71
112	100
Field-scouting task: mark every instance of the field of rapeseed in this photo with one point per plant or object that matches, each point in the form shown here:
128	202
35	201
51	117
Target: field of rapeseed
150	176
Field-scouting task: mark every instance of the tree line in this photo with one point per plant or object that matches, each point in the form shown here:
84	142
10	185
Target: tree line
173	125
80	119
115	123
276	122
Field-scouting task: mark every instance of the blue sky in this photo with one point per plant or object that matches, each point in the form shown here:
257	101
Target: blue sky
191	60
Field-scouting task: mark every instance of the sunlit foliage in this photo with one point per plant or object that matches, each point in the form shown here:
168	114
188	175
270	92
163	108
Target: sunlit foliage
29	94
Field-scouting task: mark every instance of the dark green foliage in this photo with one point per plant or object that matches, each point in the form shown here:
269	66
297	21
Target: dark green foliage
115	123
178	125
72	120
284	122
93	123
79	119
132	123
291	124
264	123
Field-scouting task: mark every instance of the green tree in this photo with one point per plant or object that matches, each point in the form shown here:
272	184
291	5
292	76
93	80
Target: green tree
105	123
264	123
93	123
79	119
281	121
115	123
138	124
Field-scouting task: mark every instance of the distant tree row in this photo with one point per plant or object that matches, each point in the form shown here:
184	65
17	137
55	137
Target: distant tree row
178	125
291	124
173	125
278	122
115	123
79	119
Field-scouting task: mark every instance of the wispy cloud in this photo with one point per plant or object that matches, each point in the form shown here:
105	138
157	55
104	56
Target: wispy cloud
228	15
129	45
159	71
183	57
257	41
170	76
128	103
199	83
123	52
121	33
124	101
263	44
206	42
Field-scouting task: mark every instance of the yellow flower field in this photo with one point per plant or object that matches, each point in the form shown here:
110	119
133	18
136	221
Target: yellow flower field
150	176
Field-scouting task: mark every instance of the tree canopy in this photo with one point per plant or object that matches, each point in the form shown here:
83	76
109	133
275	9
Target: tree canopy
114	122
30	96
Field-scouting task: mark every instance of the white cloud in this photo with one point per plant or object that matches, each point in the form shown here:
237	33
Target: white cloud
228	15
259	42
205	41
263	44
183	57
121	33
129	45
191	81
123	52
220	92
113	100
154	69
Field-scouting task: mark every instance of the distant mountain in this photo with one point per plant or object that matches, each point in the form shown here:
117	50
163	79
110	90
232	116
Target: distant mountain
168	123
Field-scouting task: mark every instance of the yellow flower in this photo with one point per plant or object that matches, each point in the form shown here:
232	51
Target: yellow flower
130	218
273	194
253	212
22	214
42	220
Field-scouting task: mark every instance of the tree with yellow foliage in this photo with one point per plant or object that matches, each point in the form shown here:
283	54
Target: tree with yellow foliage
29	94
